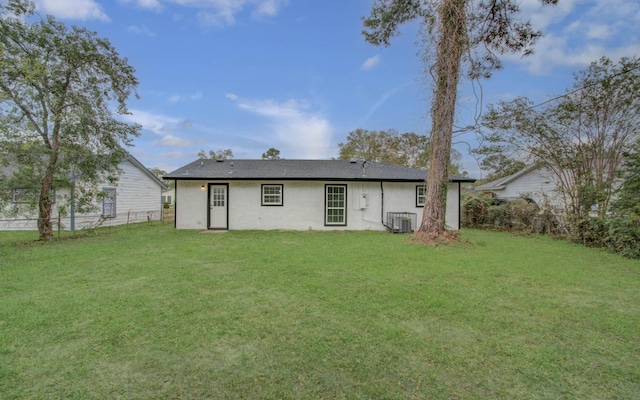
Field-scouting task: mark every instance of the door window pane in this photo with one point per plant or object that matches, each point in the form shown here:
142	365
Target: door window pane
218	197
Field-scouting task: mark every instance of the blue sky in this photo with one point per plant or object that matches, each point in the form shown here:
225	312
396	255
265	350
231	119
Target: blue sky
298	75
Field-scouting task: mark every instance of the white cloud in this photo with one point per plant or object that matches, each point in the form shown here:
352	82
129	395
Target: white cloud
218	18
578	32
174	141
73	9
218	12
617	9
370	62
599	31
542	16
268	8
148	4
156	123
140	30
298	130
552	51
175	98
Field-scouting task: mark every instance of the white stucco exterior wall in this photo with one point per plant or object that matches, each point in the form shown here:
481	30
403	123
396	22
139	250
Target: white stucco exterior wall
303	205
191	205
452	215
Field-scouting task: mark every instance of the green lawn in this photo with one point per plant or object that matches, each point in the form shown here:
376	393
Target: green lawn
151	312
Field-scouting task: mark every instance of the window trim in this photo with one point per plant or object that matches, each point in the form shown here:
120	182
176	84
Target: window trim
262	195
109	193
35	192
326	205
422	196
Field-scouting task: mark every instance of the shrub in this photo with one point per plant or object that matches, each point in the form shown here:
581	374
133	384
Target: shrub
475	208
623	237
481	211
617	235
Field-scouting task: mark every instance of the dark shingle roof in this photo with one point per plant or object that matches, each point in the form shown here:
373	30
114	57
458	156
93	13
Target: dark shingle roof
343	170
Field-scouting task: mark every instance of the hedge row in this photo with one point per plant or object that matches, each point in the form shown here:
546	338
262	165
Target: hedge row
480	212
616	234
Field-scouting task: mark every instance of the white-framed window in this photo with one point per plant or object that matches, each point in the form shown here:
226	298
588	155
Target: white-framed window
29	195
109	202
335	204
421	195
272	195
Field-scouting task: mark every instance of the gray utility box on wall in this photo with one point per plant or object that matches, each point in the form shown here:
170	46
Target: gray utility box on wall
401	222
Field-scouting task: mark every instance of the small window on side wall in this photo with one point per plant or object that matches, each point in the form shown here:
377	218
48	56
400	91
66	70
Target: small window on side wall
29	195
272	195
109	202
421	195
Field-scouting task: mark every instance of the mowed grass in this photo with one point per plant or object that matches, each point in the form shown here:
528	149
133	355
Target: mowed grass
151	312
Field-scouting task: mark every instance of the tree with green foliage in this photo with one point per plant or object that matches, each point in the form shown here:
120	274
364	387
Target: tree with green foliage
581	138
496	162
459	32
627	202
222	154
58	90
271	154
408	149
159	173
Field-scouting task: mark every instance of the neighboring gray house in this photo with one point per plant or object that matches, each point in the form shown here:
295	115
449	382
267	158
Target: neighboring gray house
303	194
534	182
135	197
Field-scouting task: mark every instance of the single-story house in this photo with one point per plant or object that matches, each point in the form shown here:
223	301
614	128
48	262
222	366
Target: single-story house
135	197
304	194
533	182
169	195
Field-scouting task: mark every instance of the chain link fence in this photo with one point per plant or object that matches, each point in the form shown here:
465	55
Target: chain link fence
82	222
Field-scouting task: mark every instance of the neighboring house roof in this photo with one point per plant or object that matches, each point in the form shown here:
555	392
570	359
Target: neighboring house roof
144	169
10	169
343	170
501	183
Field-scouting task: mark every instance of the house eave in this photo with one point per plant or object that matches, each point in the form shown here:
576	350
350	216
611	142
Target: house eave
316	179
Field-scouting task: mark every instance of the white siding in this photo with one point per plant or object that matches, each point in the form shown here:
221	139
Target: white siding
138	196
138	199
303	205
538	184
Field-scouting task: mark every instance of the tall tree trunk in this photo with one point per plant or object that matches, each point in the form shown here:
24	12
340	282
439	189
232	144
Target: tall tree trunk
451	44
45	202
